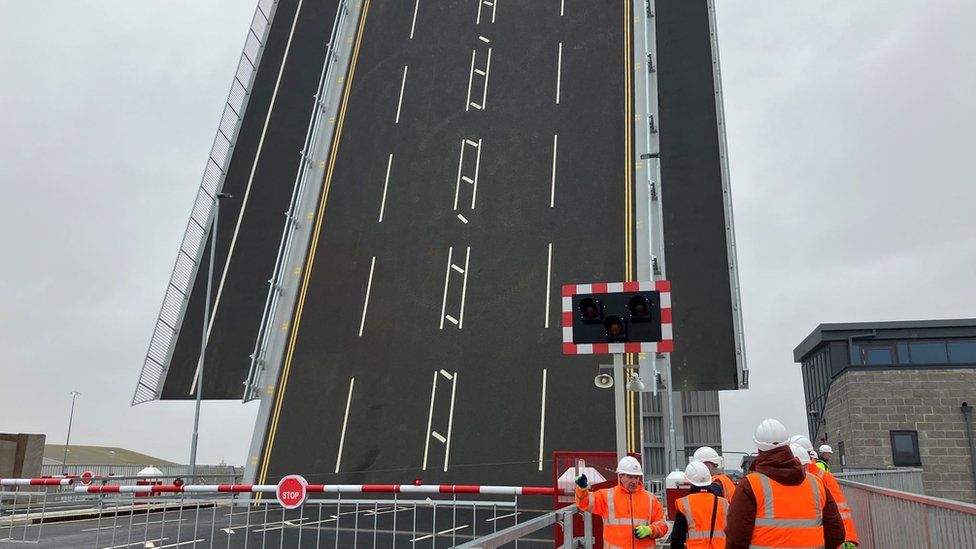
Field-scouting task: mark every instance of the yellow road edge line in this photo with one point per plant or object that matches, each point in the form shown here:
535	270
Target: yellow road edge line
632	399
279	398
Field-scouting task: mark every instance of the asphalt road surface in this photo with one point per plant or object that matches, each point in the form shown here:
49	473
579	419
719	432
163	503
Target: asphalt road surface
482	163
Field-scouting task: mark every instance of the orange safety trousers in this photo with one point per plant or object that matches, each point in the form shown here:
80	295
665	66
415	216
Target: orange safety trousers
623	511
830	482
788	516
697	509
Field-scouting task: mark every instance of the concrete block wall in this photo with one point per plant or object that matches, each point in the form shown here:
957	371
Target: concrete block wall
863	406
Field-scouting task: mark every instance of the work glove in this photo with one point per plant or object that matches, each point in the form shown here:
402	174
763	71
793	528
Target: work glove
581	482
642	532
848	545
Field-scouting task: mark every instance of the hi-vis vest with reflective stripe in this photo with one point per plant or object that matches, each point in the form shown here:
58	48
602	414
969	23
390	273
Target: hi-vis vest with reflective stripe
830	483
788	516
697	509
728	487
622	512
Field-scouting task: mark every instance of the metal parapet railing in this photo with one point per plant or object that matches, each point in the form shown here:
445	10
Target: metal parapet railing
891	518
177	294
904	480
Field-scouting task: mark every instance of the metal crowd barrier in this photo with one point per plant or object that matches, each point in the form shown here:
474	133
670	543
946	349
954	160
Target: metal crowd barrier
108	514
891	518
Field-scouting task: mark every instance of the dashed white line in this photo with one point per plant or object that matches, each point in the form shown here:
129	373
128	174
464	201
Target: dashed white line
464	289
462	218
446	374
447	278
467	102
494	5
484	96
403	84
552	191
442	532
438	436
542	421
562	8
548	284
369	286
430	416
450	417
500	517
457	186
458	269
559	71
483	39
477	169
413	24
345	422
386	184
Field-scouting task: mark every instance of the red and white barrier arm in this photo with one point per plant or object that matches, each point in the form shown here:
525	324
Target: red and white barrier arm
36	481
328	489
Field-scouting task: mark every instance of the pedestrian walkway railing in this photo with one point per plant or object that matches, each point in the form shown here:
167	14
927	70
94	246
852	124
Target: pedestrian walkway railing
891	518
64	512
177	294
213	474
905	480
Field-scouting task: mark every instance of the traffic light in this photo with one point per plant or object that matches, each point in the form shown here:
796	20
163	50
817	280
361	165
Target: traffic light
616	330
623	317
590	310
639	308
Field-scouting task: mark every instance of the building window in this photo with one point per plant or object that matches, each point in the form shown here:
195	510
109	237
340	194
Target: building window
840	452
962	352
904	448
928	353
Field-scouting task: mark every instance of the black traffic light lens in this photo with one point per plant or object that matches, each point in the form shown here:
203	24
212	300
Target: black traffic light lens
590	310
616	331
639	307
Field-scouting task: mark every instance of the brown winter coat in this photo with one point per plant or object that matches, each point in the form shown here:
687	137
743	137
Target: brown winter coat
781	466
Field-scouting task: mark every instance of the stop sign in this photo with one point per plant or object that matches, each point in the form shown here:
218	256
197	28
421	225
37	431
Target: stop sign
292	491
87	477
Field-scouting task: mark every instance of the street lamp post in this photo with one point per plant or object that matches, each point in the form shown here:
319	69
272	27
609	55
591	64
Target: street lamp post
71	417
198	386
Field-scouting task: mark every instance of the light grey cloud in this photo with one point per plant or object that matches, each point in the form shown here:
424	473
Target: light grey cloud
848	127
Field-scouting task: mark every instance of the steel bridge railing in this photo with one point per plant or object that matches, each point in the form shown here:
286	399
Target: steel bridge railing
177	294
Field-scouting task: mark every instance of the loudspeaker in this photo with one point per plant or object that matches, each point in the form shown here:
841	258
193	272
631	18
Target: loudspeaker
603	381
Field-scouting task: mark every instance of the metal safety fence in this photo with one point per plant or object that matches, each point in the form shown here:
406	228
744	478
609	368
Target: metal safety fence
892	518
198	227
905	480
63	512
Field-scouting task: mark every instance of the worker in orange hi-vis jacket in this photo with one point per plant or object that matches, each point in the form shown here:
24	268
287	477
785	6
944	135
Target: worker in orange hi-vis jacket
633	518
830	483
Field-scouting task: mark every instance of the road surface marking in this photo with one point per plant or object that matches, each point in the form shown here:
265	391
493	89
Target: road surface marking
247	192
483	39
552	191
467	102
438	436
548	283
562	8
430	419
403	84
453	320
450	421
442	532
457	186
467	179
477	169
462	218
458	269
464	287
493	4
559	71
469	142
447	279
386	183
484	96
542	420
446	374
493	519
369	286
345	422
144	544
416	5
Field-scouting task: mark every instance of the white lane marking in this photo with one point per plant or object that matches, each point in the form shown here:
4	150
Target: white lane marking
247	191
282	524
477	170
446	374
416	5
542	421
386	184
453	320
562	8
469	142
430	419
458	269
369	286
450	422
467	179
552	191
493	519
457	186
548	283
462	218
467	102
494	4
442	532
438	436
464	288
403	84
447	278
559	71
483	39
345	422
147	543
484	96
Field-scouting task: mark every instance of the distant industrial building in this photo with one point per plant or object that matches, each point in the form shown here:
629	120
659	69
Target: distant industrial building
896	394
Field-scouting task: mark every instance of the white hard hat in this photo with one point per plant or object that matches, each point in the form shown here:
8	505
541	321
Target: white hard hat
630	466
770	435
826	449
698	474
803	441
707	453
800	453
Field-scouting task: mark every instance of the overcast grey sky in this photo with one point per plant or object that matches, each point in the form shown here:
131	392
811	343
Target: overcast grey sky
850	135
